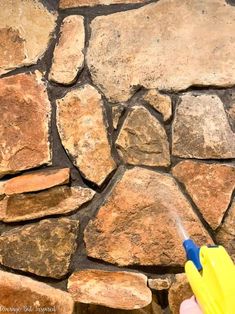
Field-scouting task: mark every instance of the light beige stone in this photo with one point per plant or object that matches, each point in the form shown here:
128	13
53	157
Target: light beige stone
64	4
142	139
26	27
161	103
173	52
161	282
117	111
201	128
83	132
68	58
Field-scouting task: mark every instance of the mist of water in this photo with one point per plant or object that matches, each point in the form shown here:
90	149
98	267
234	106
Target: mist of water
179	225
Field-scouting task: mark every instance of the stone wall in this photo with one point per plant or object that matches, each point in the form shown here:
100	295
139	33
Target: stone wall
117	122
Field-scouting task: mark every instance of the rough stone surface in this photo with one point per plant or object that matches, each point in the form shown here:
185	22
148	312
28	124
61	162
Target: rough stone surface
226	234
161	103
43	248
83	133
36	181
140	213
24	106
68	58
169	55
162	282
54	201
143	140
210	186
26	27
201	128
21	292
64	4
179	291
122	290
117	111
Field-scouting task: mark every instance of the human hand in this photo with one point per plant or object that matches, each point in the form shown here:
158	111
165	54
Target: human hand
190	306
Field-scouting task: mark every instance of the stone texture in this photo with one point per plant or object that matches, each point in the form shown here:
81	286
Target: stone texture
140	213
64	4
24	106
179	291
201	128
210	186
226	234
143	140
117	111
21	292
122	290
161	103
83	133
68	58
162	282
36	181
43	248
26	27
54	201
169	55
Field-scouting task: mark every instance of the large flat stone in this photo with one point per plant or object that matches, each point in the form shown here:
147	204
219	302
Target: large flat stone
201	128
43	248
121	290
142	139
165	45
25	116
54	201
64	4
83	132
138	222
68	58
210	186
22	293
26	27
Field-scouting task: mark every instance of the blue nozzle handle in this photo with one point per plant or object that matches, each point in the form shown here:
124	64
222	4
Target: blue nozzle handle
192	252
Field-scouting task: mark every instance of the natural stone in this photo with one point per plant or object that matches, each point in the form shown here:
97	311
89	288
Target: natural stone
68	58
117	111
43	248
83	132
226	234
64	4
142	213
179	291
210	186
54	201
143	140
26	28
161	282
36	181
201	128
168	55
20	292
122	290
24	112
161	103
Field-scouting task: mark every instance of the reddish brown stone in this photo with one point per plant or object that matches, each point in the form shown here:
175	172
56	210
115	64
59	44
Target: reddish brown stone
122	290
138	225
64	4
25	115
209	185
23	293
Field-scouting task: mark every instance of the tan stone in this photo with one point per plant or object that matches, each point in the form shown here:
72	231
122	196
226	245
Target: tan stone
117	111
26	28
210	186
201	128
25	116
122	290
161	103
54	201
68	58
179	291
36	181
226	234
143	140
83	132
43	248
161	282
169	55
64	4
21	292
140	214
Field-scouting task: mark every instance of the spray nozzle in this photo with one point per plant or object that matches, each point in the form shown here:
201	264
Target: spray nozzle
192	252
